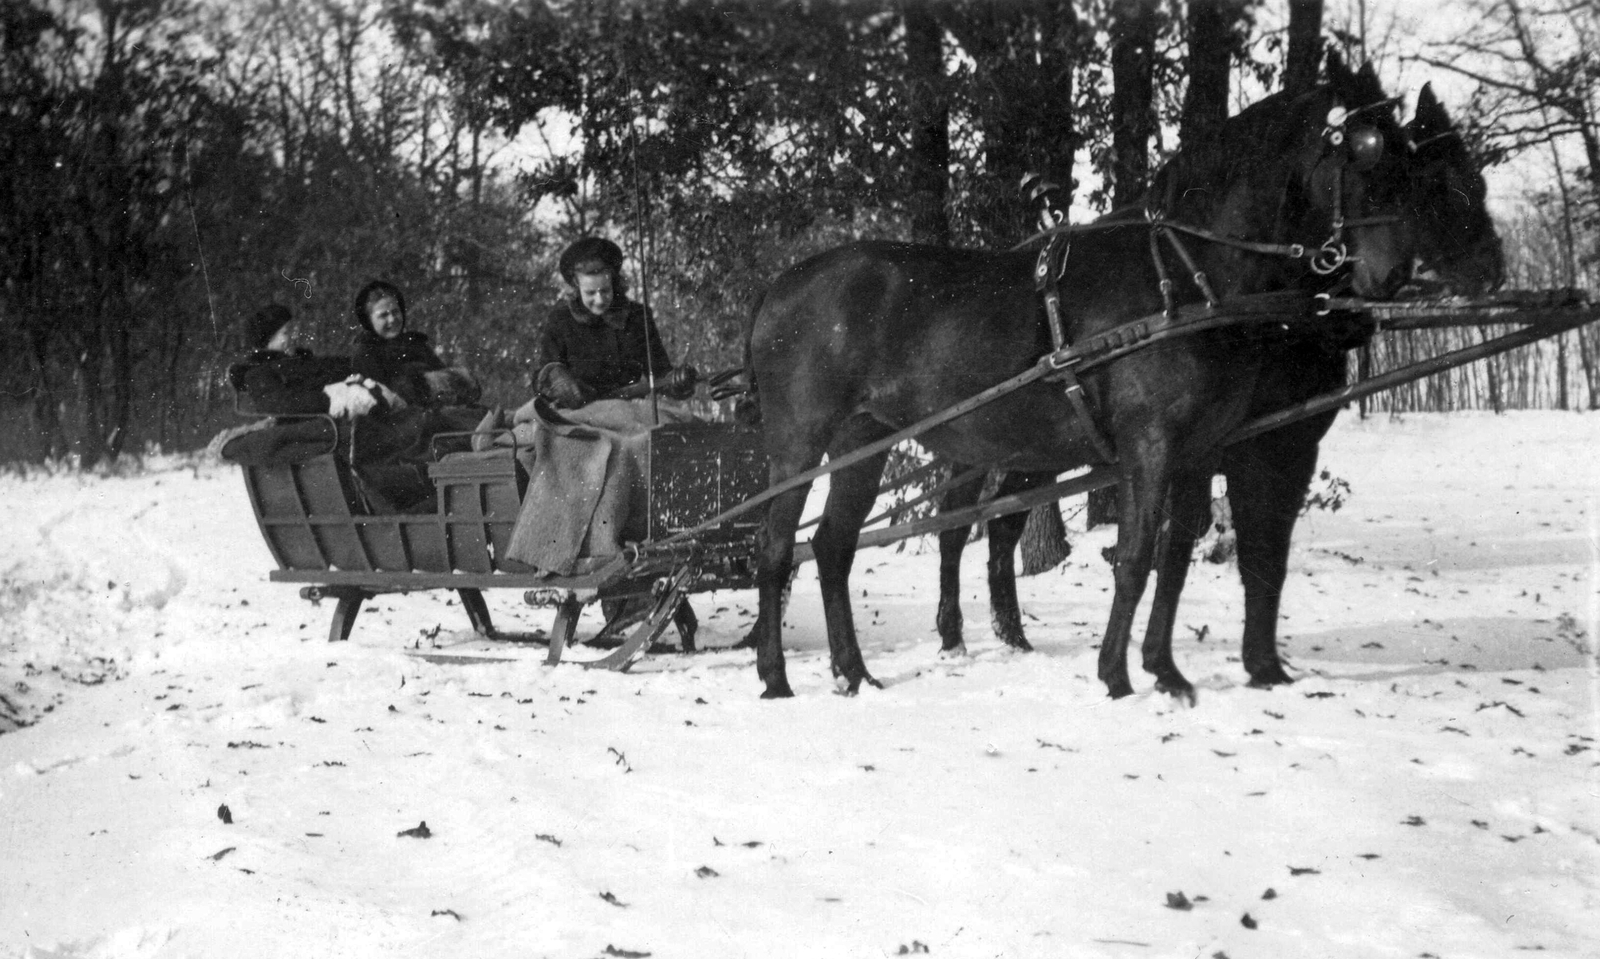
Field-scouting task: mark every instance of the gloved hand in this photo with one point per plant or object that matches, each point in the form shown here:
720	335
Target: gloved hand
681	381
349	399
565	390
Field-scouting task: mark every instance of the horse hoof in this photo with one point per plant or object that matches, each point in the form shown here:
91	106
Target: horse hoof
845	686
1269	677
1018	643
778	691
958	651
1179	689
1119	690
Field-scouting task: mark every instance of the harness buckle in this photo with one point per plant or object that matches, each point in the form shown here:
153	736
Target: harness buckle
1326	307
1297	251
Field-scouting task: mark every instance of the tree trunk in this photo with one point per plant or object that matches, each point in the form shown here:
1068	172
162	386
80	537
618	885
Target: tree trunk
1023	55
1304	59
1133	39
1044	540
928	167
1211	27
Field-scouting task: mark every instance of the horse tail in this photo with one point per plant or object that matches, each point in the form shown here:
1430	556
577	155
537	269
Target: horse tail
747	409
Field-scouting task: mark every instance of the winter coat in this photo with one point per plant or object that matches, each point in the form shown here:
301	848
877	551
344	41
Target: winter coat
400	363
270	382
604	352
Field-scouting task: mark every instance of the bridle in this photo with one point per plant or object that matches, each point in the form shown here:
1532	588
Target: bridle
1360	149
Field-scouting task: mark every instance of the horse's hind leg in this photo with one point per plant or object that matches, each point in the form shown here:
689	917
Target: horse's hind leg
774	564
1004	534
1188	513
1267	481
952	543
851	492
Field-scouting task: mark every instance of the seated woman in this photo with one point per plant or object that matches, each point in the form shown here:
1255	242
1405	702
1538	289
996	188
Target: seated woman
280	376
597	343
385	351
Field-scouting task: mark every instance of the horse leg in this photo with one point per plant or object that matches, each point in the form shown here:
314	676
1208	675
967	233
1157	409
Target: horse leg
952	543
851	493
1188	514
1139	500
774	564
1004	533
1267	481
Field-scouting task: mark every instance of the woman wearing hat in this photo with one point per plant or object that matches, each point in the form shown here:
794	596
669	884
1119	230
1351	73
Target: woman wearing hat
282	377
596	342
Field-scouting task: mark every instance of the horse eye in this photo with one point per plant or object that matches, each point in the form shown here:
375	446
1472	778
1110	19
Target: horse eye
1366	148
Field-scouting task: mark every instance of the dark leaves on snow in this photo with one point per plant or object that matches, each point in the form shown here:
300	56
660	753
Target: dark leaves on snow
1413	821
1304	871
608	897
1247	922
419	831
546	837
706	872
447	912
217	856
611	950
1178	901
225	814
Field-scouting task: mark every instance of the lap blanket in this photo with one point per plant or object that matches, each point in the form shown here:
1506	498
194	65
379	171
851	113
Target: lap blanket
588	471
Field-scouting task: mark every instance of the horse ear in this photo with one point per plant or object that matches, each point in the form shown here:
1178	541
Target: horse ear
1431	118
1338	74
1368	79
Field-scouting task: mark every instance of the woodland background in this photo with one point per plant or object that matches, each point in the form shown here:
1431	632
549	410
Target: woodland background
172	166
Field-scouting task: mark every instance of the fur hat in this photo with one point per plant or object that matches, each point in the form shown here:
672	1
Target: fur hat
590	249
375	290
264	325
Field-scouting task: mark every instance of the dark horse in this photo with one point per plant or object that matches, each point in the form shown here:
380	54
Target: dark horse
1268	475
865	339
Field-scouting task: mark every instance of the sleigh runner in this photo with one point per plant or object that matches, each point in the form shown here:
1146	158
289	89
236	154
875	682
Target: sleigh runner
707	486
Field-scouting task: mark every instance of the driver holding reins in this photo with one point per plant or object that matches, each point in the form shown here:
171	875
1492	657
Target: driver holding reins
597	343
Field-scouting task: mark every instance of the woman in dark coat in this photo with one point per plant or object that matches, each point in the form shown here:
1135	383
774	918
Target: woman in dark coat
281	377
596	342
385	351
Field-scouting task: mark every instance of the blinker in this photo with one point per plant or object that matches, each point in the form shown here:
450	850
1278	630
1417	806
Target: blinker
1366	147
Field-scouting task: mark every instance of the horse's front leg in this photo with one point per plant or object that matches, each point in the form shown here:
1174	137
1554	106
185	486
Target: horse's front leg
851	493
1188	514
774	565
1139	500
952	543
1267	482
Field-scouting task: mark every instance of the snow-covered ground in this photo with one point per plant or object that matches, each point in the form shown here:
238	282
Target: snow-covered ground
1430	786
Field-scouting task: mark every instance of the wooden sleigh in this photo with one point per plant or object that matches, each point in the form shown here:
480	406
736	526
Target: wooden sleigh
319	525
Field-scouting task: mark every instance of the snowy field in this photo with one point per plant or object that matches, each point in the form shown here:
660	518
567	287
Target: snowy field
1429	788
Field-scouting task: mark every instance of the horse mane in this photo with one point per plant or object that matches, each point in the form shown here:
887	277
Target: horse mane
1188	184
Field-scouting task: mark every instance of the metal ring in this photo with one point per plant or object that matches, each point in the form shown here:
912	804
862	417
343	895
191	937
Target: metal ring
1329	258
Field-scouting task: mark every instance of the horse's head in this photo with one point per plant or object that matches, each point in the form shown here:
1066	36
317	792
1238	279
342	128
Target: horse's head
1456	240
1318	181
1359	178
